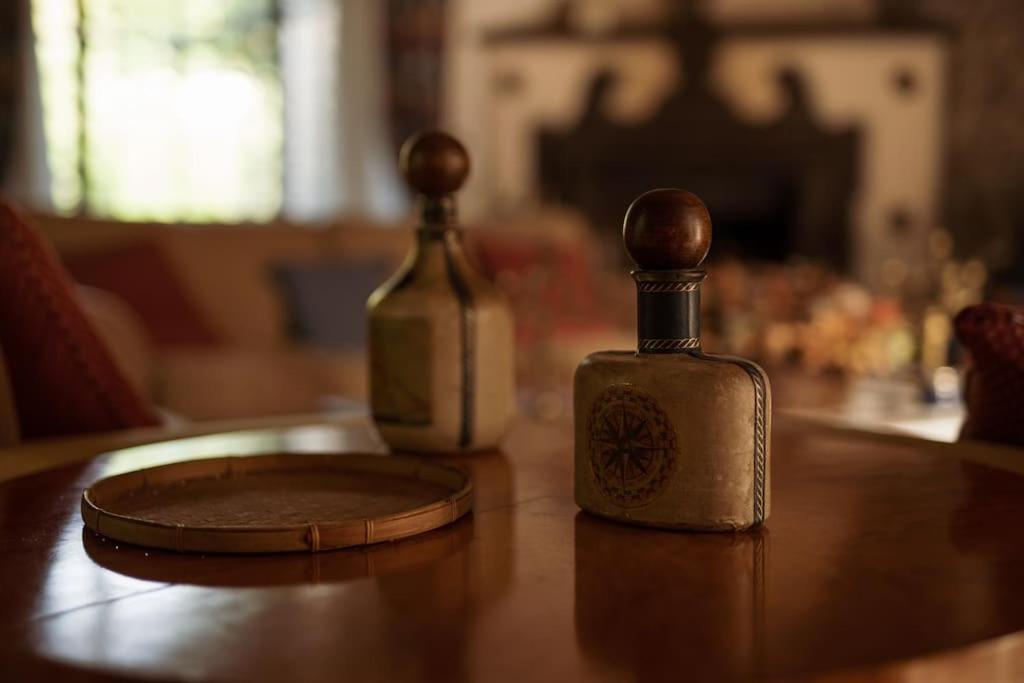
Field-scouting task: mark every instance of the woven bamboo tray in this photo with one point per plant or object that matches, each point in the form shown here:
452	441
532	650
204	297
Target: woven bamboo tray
277	503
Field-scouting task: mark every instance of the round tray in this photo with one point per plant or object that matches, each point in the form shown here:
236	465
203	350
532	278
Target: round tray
277	503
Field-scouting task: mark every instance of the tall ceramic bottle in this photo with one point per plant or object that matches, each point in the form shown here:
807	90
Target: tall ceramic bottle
441	348
667	435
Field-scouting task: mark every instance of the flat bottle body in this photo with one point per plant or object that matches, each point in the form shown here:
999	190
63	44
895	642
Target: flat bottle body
441	353
675	440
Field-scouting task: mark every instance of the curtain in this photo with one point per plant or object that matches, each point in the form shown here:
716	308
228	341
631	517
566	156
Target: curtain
24	174
415	51
10	78
339	155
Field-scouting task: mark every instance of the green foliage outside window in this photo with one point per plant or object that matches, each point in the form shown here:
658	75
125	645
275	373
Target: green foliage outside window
167	110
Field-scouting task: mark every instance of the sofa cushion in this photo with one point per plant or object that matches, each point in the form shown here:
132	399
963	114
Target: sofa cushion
141	276
326	300
8	415
994	337
227	271
218	384
534	271
63	379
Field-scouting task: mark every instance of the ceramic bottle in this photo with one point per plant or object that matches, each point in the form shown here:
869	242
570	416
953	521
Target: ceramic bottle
441	347
668	435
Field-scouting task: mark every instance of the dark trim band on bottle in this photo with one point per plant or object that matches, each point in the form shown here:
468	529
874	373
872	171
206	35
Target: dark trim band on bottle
668	310
437	213
438	223
467	334
666	345
655	287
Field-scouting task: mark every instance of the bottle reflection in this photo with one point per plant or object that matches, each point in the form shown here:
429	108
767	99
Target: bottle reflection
665	605
416	600
440	605
276	570
492	487
977	529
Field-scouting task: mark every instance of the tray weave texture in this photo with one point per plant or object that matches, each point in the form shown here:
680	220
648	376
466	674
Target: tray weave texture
277	503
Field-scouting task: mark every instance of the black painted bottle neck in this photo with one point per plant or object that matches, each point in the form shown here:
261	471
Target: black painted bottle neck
438	238
437	226
436	212
668	310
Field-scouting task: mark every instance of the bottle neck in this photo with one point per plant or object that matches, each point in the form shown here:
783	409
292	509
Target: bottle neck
668	310
436	212
431	238
436	251
437	229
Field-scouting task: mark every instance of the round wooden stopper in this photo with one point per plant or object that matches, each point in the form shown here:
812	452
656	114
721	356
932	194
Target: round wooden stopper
667	230
434	163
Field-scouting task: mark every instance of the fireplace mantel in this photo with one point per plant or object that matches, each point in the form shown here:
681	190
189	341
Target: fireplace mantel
890	85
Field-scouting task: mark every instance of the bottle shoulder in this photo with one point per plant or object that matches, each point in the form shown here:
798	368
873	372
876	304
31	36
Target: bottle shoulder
436	271
424	298
630	367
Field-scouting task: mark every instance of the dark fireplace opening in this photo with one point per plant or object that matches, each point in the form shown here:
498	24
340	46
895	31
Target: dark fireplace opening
774	191
753	210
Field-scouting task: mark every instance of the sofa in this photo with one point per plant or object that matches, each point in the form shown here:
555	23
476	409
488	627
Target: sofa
203	317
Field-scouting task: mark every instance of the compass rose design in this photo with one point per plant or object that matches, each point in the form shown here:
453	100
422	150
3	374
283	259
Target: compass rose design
632	446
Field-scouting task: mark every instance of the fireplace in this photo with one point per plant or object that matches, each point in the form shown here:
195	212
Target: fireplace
774	190
824	135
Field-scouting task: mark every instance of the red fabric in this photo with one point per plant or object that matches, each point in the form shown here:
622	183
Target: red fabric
140	275
557	281
63	378
994	395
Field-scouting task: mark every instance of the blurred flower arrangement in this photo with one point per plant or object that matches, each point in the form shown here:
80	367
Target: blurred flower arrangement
934	291
804	314
570	300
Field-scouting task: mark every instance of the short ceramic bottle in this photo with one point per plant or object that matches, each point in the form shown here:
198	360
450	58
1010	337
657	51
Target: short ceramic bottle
441	349
668	436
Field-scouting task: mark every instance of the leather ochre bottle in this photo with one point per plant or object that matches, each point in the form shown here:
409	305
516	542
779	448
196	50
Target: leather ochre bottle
667	435
441	347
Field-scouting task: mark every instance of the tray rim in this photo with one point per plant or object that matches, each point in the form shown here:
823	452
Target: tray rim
307	537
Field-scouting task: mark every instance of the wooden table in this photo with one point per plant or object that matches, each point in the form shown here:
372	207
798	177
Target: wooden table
884	557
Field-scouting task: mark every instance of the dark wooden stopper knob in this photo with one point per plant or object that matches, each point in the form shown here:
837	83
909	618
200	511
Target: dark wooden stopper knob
434	163
667	230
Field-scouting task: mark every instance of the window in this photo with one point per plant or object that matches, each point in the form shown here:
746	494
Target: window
166	110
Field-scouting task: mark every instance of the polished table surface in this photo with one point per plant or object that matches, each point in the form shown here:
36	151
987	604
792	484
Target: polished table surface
885	558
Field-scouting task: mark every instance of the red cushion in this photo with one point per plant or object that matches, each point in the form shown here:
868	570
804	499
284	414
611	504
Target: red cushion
994	336
140	275
567	294
63	378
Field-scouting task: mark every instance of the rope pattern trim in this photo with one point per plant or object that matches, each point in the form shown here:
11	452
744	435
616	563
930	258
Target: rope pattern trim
760	438
760	429
664	287
663	344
